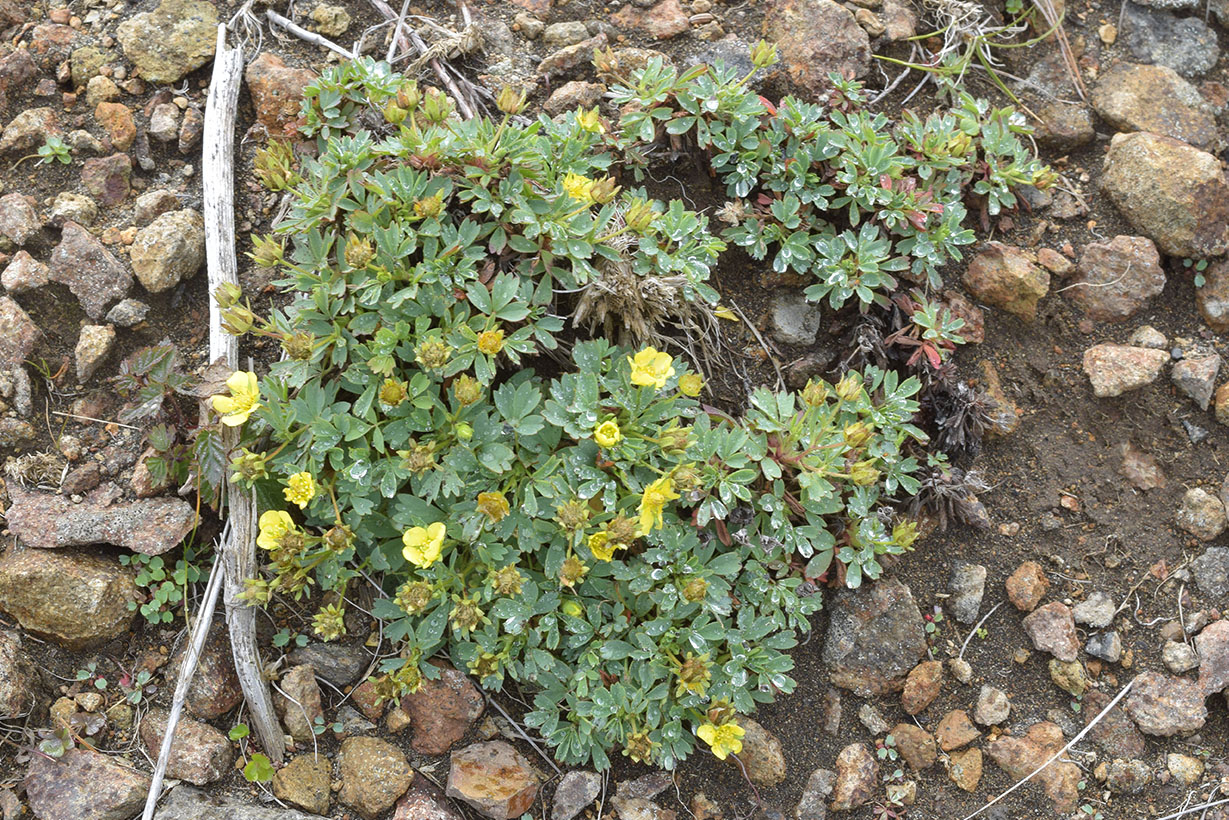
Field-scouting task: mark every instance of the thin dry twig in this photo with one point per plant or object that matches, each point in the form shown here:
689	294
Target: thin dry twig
973	631
307	36
759	338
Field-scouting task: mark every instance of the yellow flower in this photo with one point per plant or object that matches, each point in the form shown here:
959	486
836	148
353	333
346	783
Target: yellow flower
493	505
244	398
651	368
423	544
273	525
578	187
607	434
300	489
654	501
590	120
491	342
690	384
724	740
602	547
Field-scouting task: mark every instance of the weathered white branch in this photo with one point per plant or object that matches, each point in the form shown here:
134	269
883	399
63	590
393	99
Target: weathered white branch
239	549
305	35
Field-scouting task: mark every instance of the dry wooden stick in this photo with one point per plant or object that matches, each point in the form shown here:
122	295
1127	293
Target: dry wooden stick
239	550
305	35
191	657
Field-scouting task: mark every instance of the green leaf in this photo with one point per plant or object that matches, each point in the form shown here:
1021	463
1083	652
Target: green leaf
259	769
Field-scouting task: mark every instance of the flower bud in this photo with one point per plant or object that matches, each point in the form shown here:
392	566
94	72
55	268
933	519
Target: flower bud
359	252
856	434
590	120
433	353
238	319
511	100
408	96
849	388
227	294
763	54
429	207
604	190
572	608
395	114
436	106
300	346
640	215
393	392
266	251
467	389
465	431
864	473
815	394
904	533
695	590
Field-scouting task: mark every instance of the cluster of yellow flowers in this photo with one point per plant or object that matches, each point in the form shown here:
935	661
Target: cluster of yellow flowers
300	489
651	368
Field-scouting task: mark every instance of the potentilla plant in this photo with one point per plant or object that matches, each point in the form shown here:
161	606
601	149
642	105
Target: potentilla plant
638	562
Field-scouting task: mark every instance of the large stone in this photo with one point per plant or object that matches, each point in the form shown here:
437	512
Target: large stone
1202	514
374	773
304	782
29	130
1097	610
1154	98
84	785
857	773
1027	586
813	805
1065	127
1163	706
442	711
188	803
78	600
18	677
1116	369
1117	278
89	270
24	274
965	768
916	746
20	334
815	38
298	702
494	778
169	250
1211	571
575	792
340	664
955	730
1185	44
277	92
795	321
1007	277
1127	776
662	20
761	756
149	526
1021	756
200	754
214	689
116	120
171	41
875	637
1212	645
1115	735
1052	629
1174	194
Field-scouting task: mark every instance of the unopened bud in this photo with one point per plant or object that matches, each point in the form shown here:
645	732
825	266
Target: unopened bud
238	319
465	431
395	114
604	190
640	215
408	96
227	294
511	100
436	106
763	54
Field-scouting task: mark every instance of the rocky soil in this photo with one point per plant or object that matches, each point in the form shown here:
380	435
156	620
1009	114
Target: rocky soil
1099	562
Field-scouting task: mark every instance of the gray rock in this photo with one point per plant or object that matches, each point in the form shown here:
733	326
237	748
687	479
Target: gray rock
1179	657
993	706
1211	572
298	702
200	754
1163	706
575	792
1148	336
1154	98
425	801
967	585
24	274
128	313
169	250
70	207
1065	127
560	35
1202	514
1185	44
875	637
1196	377
872	719
19	684
172	41
148	526
78	600
164	122
813	805
93	346
153	204
29	130
338	663
816	37
20	334
84	785
18	219
89	270
1169	5
352	723
732	51
795	321
1096	611
188	803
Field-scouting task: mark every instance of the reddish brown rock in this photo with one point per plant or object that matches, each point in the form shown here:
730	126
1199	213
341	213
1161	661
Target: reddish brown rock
1008	278
298	702
214	689
664	20
915	745
84	785
1052	629
49	521
1163	706
200	754
1116	369
922	686
1115	734
1212	645
1213	297
964	768
1021	756
875	637
89	270
426	801
974	330
574	94
116	120
1027	586
1117	278
1065	127
442	711
956	730
857	774
814	38
19	683
277	92
1140	468
108	178
494	778
1153	98
20	334
365	698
